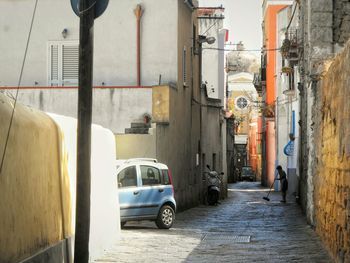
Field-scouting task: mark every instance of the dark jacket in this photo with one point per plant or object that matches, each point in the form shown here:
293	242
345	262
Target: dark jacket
284	181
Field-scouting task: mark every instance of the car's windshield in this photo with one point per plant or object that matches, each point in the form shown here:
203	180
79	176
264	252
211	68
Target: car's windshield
246	170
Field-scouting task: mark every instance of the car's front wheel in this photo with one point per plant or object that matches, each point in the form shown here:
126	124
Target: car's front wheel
166	217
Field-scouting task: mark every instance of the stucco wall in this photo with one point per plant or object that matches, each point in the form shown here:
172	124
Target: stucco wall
114	41
112	108
35	196
178	142
136	145
104	208
212	127
37	186
213	64
332	172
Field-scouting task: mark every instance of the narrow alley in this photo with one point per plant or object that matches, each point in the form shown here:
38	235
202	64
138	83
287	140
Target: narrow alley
115	112
243	228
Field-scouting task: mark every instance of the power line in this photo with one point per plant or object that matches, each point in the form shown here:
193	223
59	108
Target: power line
19	83
245	50
213	24
291	19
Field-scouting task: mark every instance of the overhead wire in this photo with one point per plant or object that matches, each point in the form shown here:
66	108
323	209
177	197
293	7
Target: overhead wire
292	17
245	50
255	50
213	24
17	90
81	12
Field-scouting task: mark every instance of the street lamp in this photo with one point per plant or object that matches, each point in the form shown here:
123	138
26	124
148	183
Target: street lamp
204	39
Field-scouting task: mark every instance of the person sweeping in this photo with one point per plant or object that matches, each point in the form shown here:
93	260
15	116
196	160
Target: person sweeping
284	182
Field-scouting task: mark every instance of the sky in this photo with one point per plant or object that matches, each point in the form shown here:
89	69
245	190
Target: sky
243	19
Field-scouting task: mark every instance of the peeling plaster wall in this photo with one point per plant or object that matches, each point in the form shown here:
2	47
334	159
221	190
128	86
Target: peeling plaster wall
324	148
332	163
341	21
316	18
112	108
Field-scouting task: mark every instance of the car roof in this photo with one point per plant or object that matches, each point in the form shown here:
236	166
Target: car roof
140	161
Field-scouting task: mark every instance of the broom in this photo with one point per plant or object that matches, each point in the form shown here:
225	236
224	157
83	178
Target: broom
267	197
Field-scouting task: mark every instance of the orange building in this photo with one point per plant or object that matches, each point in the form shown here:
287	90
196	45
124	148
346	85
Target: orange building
270	11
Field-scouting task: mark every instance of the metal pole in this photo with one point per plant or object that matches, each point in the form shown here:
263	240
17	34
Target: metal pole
83	188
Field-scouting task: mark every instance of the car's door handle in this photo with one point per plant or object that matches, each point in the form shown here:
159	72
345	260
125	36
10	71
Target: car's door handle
161	190
136	192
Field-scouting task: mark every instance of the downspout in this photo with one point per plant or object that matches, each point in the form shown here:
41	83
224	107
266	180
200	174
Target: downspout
189	4
138	13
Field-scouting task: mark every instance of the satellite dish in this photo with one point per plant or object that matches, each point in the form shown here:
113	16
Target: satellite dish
99	5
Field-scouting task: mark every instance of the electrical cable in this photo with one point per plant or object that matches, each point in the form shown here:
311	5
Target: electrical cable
86	9
245	50
291	19
19	83
209	27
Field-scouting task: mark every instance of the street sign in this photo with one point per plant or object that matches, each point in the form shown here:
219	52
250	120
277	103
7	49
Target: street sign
99	5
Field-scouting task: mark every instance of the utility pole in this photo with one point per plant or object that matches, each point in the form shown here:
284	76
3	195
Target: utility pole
87	11
83	189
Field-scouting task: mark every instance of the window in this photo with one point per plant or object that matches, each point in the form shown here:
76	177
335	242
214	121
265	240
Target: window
165	177
241	103
150	175
127	177
184	67
63	66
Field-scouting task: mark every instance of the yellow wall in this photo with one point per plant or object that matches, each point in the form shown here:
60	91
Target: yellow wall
34	185
332	178
136	146
160	104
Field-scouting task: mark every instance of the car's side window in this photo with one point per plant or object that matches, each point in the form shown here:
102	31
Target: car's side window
127	177
150	175
165	177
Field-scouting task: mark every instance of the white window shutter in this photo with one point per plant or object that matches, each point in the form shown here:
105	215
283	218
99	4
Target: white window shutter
63	63
54	65
70	64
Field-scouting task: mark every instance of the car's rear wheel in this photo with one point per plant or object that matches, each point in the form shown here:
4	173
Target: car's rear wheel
166	217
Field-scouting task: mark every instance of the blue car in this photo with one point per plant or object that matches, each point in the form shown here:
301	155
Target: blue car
146	192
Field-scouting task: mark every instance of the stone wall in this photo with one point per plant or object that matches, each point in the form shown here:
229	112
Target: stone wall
332	171
316	36
341	21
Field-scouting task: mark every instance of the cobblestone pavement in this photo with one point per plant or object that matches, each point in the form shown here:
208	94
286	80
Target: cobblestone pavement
243	228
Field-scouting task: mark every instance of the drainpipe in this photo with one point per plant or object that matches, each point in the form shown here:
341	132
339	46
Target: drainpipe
190	4
138	13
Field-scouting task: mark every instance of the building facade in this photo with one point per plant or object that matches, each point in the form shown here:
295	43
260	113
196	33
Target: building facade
270	10
243	103
287	97
313	58
156	76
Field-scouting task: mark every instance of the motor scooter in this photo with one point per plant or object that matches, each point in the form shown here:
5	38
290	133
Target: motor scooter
213	186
